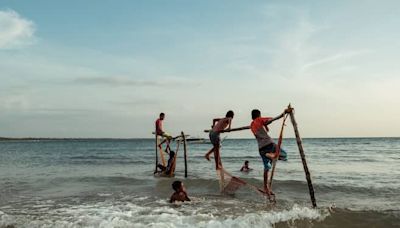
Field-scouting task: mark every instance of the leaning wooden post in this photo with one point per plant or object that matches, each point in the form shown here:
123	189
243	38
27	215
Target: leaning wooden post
155	170
184	152
303	158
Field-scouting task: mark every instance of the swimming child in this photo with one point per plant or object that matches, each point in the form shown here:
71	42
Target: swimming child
180	193
245	167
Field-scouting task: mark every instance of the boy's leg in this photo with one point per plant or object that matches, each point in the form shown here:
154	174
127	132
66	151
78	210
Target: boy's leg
282	155
267	167
215	141
207	156
217	157
266	182
271	155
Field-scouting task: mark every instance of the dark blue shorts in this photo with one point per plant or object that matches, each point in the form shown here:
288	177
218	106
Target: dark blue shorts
271	148
215	138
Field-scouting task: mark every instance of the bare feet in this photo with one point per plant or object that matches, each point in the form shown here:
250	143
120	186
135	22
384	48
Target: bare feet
207	156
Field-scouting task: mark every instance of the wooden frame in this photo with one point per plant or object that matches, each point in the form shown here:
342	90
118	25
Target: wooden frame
300	147
158	150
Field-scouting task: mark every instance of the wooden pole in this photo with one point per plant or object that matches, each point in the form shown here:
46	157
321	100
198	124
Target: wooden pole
184	152
277	152
155	169
232	129
303	158
247	127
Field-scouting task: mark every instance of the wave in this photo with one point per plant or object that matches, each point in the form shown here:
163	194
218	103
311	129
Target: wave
161	215
147	212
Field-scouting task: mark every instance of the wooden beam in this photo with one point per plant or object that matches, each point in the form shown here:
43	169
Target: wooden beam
233	129
247	127
303	159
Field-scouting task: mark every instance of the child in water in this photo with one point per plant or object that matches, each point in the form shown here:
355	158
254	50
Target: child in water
245	167
180	193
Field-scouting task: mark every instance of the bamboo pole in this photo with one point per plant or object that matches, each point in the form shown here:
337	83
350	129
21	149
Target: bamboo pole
277	152
155	169
232	129
303	159
184	152
247	127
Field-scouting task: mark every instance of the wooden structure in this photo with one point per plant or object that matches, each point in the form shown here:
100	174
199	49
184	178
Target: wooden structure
299	144
303	158
160	161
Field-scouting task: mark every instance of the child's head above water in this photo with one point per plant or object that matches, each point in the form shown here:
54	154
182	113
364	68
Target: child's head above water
246	162
162	115
177	186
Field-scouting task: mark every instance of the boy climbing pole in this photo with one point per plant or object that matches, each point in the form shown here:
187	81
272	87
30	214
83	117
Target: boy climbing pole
266	146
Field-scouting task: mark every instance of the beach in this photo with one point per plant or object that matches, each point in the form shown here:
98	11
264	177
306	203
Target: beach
110	183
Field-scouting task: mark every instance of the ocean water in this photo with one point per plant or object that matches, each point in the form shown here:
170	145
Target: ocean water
110	183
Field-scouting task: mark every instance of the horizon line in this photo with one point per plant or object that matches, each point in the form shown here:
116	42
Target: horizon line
148	138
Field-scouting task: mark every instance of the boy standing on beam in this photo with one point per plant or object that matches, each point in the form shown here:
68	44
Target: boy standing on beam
266	145
218	125
160	131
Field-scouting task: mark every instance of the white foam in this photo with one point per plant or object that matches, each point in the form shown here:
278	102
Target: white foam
129	214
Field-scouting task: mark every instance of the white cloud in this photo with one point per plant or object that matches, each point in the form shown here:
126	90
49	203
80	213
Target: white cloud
15	31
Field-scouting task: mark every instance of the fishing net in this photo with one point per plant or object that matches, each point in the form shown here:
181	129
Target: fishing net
229	184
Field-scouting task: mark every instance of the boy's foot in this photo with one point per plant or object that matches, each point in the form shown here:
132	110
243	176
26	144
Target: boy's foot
272	199
207	156
282	158
271	155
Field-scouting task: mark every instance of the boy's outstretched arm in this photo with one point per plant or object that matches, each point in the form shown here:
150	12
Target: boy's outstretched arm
288	110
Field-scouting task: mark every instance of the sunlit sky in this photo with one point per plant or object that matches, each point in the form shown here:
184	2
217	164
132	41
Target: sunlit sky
108	68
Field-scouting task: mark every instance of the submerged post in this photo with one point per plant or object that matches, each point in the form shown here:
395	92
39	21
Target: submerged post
184	152
303	159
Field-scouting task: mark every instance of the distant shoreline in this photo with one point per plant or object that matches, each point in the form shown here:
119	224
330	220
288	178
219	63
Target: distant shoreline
59	139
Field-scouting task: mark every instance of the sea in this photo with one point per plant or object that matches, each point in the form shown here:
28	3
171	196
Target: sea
110	183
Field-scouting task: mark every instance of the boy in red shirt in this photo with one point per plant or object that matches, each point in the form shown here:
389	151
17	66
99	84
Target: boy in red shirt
159	127
266	145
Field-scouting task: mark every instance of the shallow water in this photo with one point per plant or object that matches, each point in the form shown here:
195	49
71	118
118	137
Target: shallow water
109	183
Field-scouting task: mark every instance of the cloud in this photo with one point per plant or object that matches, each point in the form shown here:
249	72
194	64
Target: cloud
334	58
123	81
15	31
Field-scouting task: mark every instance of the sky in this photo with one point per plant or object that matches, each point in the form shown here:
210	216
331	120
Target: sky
108	68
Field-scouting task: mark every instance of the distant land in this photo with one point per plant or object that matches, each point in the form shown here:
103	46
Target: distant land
188	139
43	138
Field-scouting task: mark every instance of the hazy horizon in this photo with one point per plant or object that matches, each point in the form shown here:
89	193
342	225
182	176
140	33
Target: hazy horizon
100	69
